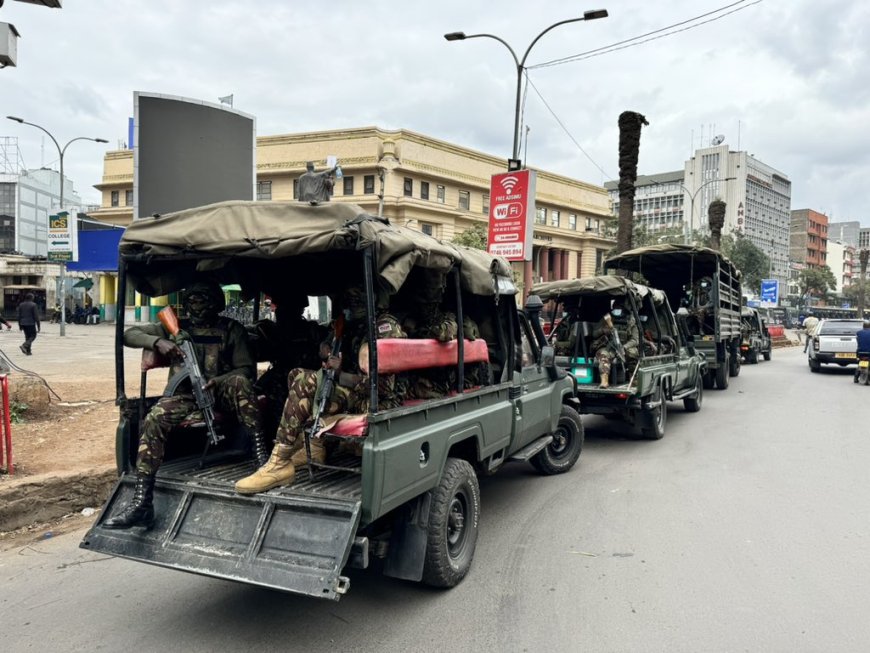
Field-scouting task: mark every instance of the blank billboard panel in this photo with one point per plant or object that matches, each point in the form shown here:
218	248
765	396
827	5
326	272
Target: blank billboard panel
189	153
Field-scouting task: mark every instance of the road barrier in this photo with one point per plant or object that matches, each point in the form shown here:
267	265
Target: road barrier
6	435
776	331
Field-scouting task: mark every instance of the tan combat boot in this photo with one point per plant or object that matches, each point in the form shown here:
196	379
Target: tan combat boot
605	379
318	454
277	471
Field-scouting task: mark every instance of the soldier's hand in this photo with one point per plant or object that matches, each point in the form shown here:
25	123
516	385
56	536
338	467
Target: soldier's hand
333	362
167	348
211	383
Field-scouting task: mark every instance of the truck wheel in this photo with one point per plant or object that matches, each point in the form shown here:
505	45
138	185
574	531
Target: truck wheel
815	366
560	455
766	355
734	367
693	404
709	380
753	356
722	374
452	530
656	418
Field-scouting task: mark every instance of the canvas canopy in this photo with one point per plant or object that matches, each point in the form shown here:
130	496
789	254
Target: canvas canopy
217	234
612	285
670	260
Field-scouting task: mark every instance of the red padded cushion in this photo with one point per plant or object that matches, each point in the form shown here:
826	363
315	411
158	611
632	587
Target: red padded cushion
403	354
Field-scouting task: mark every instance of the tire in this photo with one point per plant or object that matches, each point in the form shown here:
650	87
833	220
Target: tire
815	365
734	367
453	523
693	404
752	357
709	380
722	374
560	455
766	355
657	418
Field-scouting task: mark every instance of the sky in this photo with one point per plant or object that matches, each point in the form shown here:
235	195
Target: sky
785	80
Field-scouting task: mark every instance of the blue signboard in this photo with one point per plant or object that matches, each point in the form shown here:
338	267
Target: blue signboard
770	290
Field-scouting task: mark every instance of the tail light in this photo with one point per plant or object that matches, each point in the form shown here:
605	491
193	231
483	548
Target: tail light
815	343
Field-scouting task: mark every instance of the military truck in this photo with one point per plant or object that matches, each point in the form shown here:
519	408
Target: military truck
704	283
405	491
755	340
667	368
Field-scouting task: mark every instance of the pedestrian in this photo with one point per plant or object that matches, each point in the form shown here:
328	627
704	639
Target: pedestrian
28	321
809	325
225	358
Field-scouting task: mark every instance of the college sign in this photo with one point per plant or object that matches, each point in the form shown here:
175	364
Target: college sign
62	237
511	212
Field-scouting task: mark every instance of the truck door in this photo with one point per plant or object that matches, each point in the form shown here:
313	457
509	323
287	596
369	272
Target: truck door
532	388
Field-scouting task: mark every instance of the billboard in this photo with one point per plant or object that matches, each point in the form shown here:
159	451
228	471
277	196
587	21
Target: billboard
189	153
770	290
63	237
511	211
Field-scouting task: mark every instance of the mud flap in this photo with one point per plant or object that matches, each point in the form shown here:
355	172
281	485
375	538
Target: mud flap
294	543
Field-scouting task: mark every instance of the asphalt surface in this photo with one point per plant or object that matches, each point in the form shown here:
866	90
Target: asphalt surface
746	528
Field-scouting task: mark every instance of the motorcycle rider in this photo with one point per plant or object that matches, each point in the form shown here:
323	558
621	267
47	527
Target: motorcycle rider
863	339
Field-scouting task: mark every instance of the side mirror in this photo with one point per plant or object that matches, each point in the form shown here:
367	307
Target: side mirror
548	356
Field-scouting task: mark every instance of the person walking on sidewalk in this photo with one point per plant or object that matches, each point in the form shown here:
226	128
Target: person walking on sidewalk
28	321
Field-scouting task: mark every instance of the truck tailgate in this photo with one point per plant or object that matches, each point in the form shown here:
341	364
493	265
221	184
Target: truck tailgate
838	344
295	539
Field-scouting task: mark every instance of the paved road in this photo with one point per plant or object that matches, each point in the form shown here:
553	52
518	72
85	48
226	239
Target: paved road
746	528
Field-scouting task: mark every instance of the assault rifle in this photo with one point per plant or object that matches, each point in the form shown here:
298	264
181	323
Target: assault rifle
618	349
326	389
190	370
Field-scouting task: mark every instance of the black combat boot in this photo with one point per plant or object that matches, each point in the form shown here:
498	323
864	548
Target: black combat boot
261	451
140	510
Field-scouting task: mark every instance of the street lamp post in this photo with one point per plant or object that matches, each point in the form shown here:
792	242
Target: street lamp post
692	204
60	151
521	66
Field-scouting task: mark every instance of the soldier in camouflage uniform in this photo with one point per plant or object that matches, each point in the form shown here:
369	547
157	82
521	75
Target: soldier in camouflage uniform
226	362
350	394
604	344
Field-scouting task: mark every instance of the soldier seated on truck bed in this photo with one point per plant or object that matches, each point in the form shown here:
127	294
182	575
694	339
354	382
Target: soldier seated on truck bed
350	393
607	349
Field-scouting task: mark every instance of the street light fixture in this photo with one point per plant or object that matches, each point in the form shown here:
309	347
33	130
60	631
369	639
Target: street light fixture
60	151
521	66
692	204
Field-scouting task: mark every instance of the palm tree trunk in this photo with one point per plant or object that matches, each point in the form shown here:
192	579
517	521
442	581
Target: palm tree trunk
863	258
630	124
716	220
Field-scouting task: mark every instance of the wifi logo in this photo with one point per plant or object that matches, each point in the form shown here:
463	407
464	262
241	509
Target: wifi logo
509	183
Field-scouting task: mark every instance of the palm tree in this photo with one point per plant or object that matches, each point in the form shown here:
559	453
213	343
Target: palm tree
630	124
862	258
716	220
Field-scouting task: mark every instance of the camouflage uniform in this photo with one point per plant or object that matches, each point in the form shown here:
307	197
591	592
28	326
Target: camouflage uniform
303	386
224	355
604	347
432	322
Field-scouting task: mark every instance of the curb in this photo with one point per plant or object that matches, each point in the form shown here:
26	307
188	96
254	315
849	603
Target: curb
44	497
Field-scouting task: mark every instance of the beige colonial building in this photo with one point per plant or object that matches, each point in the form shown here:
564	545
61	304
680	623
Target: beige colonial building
415	180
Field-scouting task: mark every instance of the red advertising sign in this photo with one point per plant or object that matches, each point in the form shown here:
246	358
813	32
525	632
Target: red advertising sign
511	211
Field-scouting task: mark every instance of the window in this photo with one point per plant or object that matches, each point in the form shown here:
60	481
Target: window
409	187
440	193
348	185
541	215
264	190
554	218
424	190
572	221
128	197
485	205
427	228
115	194
295	189
464	200
369	184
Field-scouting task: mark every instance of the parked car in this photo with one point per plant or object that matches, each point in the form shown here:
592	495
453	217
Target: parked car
834	343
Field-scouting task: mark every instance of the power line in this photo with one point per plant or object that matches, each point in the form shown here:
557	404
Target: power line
628	43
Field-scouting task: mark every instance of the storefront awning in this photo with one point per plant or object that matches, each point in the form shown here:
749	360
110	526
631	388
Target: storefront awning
87	284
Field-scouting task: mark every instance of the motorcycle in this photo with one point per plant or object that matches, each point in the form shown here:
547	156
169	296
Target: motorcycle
862	373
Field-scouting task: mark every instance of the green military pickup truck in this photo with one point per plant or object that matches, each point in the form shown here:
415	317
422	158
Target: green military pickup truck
704	283
657	363
756	340
405	489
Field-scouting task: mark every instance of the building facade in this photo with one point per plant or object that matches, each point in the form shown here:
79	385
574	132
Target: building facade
841	259
844	232
417	181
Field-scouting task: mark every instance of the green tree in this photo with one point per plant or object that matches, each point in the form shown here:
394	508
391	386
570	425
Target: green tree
852	292
475	236
816	282
751	261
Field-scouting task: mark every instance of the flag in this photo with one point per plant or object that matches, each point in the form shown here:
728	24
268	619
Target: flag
226	99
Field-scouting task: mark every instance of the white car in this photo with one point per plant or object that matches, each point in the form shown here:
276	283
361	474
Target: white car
834	342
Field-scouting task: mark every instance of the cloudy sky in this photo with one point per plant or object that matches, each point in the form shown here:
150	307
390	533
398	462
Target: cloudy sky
786	80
